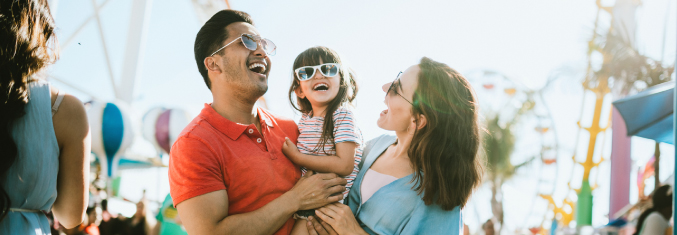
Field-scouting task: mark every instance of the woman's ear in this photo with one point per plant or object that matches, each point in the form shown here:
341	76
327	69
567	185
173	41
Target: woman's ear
299	92
421	122
210	65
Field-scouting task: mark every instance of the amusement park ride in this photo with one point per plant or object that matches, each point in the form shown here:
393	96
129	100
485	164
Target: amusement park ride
110	120
554	204
559	204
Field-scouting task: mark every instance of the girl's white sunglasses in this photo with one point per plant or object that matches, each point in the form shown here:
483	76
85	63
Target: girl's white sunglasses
307	72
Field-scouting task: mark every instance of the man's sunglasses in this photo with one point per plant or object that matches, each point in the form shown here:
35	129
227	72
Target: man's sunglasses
251	42
396	85
307	72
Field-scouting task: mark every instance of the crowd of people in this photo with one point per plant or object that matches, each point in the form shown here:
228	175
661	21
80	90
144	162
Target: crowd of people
100	221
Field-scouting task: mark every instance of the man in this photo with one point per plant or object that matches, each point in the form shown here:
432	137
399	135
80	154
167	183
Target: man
227	173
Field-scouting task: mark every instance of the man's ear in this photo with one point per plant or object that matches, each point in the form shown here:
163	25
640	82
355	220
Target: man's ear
299	93
422	121
211	65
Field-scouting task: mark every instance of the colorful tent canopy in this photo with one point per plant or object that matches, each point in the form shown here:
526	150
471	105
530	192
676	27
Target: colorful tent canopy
649	114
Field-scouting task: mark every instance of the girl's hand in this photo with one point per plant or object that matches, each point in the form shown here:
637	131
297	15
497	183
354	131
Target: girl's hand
290	150
340	217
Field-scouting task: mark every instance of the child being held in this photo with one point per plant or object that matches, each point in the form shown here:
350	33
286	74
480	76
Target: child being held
324	90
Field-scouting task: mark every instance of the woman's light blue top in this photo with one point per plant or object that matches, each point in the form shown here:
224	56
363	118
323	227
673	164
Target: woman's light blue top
31	180
396	208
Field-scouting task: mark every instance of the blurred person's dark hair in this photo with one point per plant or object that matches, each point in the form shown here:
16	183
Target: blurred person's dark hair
212	36
346	94
27	45
104	204
661	201
444	151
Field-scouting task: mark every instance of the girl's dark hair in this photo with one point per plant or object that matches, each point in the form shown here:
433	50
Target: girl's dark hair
444	152
346	94
26	34
661	199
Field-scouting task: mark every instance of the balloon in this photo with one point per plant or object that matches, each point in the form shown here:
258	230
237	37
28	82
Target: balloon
148	125
111	130
163	126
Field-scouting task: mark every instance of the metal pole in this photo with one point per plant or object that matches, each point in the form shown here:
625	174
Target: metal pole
103	44
134	50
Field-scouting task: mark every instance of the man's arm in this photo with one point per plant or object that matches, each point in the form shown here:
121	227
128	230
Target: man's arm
208	213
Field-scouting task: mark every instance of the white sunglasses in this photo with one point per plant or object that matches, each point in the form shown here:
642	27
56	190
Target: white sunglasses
307	72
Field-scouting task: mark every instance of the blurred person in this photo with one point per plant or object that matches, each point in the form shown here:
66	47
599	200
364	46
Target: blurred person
417	181
227	174
168	219
44	134
110	224
488	227
138	225
53	223
655	220
91	226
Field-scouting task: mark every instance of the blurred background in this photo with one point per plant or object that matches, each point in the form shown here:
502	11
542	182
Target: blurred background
546	74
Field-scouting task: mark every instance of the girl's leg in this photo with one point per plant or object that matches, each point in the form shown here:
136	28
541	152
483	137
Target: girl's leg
300	227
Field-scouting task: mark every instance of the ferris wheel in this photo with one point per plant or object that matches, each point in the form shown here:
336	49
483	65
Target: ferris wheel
509	107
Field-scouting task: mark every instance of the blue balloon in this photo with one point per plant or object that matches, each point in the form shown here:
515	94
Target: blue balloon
113	128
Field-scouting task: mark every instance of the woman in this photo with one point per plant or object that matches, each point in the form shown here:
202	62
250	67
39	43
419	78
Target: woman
417	181
656	219
44	134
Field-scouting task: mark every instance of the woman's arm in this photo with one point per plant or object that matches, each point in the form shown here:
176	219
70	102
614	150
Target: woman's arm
72	183
342	164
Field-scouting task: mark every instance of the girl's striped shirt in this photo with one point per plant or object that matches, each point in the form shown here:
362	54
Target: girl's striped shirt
345	130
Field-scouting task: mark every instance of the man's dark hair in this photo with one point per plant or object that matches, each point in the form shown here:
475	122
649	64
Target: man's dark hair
211	37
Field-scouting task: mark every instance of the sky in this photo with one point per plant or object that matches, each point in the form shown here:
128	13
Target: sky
527	41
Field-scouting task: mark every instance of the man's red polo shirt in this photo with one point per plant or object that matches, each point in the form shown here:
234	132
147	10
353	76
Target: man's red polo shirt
213	153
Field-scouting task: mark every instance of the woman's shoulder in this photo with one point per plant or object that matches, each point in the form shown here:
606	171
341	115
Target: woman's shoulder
384	139
70	120
378	144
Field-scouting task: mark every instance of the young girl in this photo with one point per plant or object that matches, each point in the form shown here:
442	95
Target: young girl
324	90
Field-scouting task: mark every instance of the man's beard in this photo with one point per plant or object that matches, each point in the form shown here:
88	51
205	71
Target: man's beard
246	88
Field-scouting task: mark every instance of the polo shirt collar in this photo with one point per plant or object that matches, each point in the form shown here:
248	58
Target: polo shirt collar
232	129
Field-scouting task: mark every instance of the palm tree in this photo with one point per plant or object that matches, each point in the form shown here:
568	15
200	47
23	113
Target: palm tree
499	143
631	71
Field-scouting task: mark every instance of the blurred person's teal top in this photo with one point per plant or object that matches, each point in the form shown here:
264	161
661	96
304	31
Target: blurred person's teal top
167	216
31	180
396	208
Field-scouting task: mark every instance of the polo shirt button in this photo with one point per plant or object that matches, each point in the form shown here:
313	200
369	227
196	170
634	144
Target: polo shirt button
258	140
251	131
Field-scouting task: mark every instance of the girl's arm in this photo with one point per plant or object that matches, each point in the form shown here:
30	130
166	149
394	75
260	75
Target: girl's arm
342	164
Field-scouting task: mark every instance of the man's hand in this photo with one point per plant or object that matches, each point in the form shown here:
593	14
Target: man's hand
290	150
315	190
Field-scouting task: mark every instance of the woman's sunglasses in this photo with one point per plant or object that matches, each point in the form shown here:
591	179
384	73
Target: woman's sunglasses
307	72
396	85
251	42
